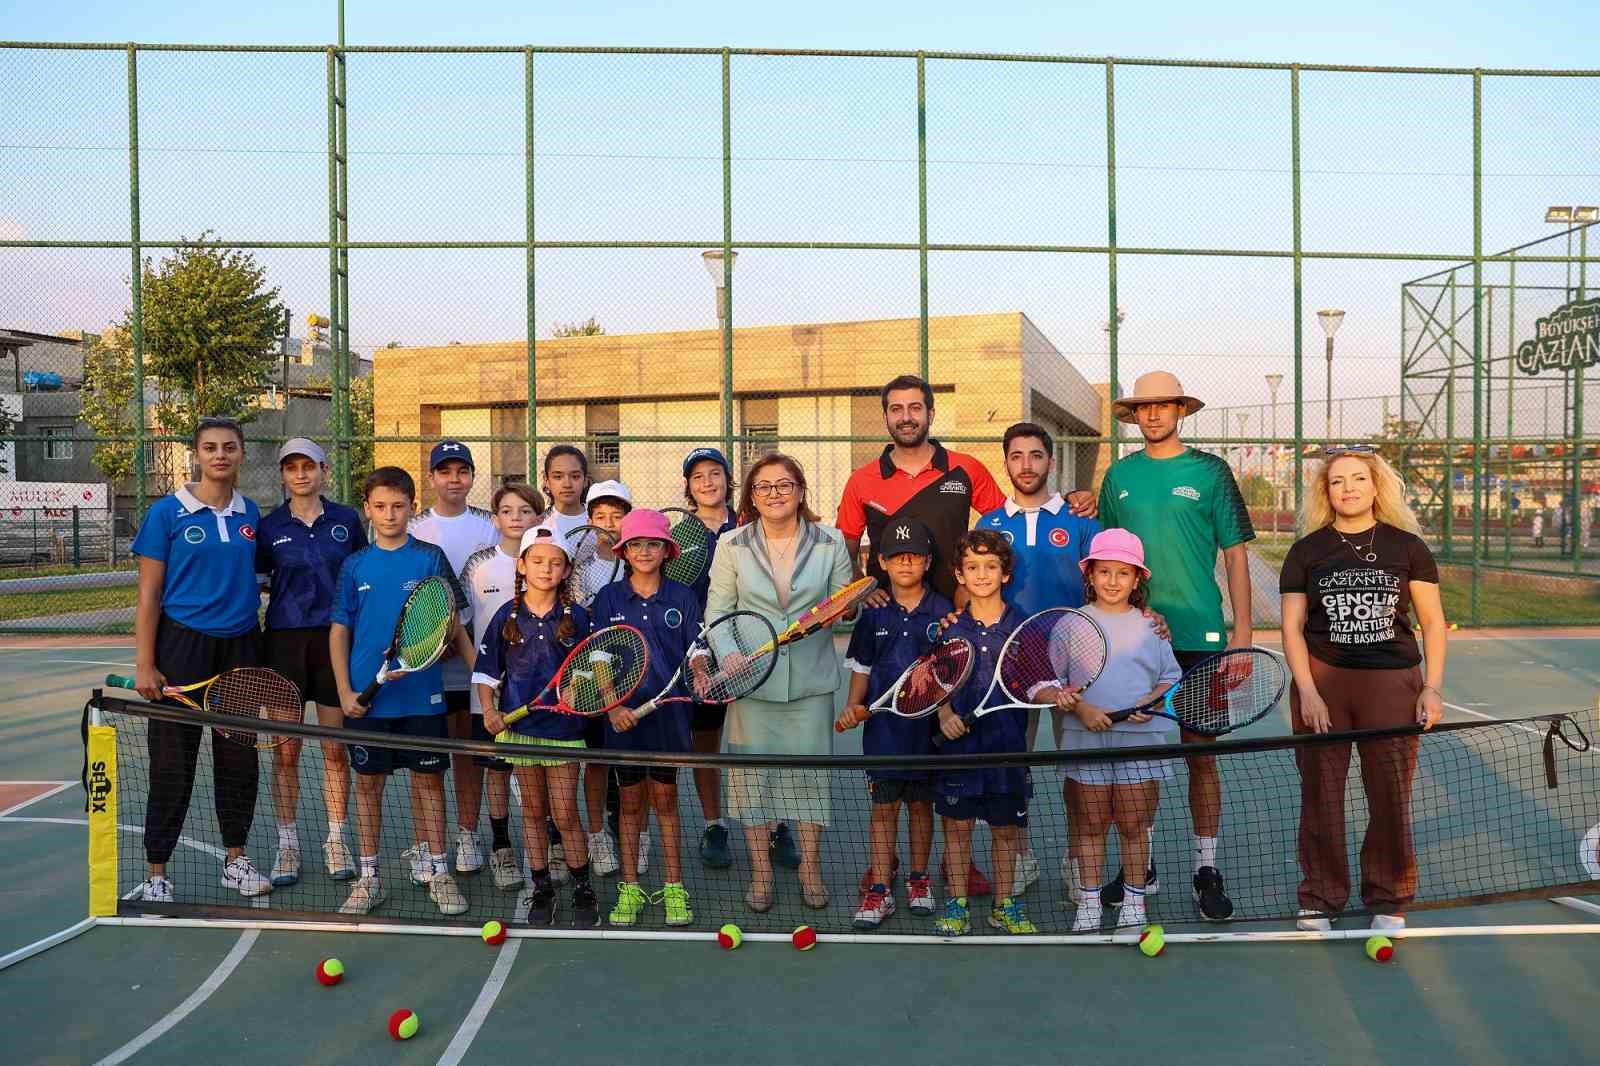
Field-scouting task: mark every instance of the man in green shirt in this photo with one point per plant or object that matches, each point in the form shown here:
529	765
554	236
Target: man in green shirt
1185	506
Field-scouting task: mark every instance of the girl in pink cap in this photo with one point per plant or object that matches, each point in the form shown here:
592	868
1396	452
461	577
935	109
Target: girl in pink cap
1124	793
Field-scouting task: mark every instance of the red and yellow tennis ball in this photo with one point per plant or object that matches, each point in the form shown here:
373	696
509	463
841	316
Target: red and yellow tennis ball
494	933
1380	948
804	938
403	1024
330	971
730	936
1153	940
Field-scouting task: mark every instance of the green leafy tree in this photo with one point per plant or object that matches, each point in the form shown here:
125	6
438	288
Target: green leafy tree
108	403
360	426
589	328
1256	490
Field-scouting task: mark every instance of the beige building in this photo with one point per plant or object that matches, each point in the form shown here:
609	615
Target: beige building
790	383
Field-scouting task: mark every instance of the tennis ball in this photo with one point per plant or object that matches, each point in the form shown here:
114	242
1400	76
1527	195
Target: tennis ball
1454	625
804	938
403	1024
1380	948
1153	940
330	971
730	936
493	932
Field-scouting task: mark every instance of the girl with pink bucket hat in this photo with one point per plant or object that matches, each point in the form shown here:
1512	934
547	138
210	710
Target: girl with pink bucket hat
1139	665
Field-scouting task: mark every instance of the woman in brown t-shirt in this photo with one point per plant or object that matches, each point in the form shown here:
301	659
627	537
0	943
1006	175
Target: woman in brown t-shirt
1349	586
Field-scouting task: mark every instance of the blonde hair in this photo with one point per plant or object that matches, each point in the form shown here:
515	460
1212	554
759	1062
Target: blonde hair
1388	506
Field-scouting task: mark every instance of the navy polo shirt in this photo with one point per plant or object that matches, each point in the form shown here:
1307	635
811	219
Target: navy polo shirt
304	561
702	584
670	621
1002	731
1048	544
521	671
210	555
885	641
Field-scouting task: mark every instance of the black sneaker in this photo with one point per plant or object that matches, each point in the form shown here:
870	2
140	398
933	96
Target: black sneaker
714	848
1214	904
542	904
1111	894
781	845
585	908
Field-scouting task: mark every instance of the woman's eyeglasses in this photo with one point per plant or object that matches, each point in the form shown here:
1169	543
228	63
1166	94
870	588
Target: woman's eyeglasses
764	489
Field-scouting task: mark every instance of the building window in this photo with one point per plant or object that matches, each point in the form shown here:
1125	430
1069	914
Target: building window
760	419
602	421
607	449
58	442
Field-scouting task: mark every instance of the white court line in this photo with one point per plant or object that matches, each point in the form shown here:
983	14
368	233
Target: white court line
60	786
46	943
198	845
223	971
89	662
489	992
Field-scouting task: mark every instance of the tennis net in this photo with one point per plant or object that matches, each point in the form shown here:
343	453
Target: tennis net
1501	810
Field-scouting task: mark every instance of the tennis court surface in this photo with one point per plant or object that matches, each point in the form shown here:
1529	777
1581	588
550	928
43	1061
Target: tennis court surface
237	978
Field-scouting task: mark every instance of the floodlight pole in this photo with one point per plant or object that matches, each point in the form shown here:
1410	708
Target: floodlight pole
1273	381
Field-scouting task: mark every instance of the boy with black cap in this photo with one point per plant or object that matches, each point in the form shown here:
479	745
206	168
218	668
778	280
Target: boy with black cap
887	640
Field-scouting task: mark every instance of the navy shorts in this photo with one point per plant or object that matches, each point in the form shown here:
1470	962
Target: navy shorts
488	762
302	656
707	716
899	790
996	808
365	759
457	701
632	775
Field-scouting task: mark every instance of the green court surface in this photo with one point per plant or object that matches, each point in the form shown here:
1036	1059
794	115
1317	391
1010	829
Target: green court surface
180	995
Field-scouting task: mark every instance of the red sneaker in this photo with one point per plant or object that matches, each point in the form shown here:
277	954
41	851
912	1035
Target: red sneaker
866	878
977	884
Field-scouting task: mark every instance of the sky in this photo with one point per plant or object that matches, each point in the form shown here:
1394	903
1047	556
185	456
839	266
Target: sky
629	148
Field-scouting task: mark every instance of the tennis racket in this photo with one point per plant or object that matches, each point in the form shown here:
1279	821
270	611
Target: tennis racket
594	564
1221	693
600	673
246	692
924	686
731	658
1054	649
420	635
829	611
694	546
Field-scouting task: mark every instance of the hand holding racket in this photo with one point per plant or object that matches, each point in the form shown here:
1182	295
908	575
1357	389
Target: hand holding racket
825	613
731	658
250	692
1219	694
420	635
600	673
694	546
1056	649
923	687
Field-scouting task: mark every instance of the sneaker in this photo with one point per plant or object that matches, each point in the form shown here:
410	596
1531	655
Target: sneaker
503	864
1111	894
866	877
1388	923
541	904
1214	904
1313	921
365	894
1008	915
602	854
156	890
644	851
877	903
714	852
285	867
781	845
1027	872
956	920
919	895
585	907
421	864
469	853
241	874
1069	880
1131	914
977	884
631	900
557	862
336	855
444	892
676	899
1087	920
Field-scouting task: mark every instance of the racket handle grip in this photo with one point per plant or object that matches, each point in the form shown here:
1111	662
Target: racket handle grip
855	719
515	716
368	694
119	681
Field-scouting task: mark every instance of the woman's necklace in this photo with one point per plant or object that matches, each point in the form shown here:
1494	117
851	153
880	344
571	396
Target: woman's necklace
783	556
1363	552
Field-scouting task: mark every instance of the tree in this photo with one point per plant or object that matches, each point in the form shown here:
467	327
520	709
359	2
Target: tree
108	402
1257	491
211	330
360	426
589	328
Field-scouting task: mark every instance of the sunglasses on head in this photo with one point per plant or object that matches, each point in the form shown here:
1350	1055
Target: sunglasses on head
1333	451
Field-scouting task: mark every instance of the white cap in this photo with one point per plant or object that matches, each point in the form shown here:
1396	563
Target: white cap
545	533
609	490
302	446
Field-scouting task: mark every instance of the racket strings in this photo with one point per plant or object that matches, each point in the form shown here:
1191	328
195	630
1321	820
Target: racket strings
256	693
1228	692
1055	649
692	538
605	670
425	621
933	679
741	658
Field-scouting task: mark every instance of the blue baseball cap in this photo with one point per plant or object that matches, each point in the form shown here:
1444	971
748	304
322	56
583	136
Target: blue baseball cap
447	450
706	453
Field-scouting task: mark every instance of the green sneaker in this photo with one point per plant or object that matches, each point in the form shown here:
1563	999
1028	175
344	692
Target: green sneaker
676	899
956	921
630	901
1008	915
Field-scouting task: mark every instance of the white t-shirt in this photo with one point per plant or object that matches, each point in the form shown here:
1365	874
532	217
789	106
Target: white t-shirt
1138	661
489	580
564	523
459	536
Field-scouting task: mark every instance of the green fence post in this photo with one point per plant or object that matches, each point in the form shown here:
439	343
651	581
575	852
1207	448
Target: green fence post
140	430
533	361
1115	388
344	424
1575	512
1450	427
333	270
922	211
1477	346
1511	395
77	540
1299	302
727	254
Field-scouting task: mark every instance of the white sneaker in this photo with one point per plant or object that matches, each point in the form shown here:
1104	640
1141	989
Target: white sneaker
1087	920
875	907
421	864
602	854
1131	914
1388	923
644	852
365	894
558	863
1027	872
1069	879
1313	922
503	864
469	854
335	853
241	874
285	867
156	890
445	893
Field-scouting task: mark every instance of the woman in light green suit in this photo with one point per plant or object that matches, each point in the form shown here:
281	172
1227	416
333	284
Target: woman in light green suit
780	562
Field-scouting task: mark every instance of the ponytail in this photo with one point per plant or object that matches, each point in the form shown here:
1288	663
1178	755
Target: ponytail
510	632
568	629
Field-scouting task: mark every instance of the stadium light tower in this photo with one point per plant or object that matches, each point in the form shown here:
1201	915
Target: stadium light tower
720	274
1273	381
1331	319
713	262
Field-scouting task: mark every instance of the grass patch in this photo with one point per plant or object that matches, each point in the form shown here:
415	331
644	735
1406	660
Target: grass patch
20	605
1499	604
11	572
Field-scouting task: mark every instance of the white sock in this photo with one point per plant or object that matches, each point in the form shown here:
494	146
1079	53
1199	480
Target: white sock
439	865
288	836
336	832
1205	852
369	866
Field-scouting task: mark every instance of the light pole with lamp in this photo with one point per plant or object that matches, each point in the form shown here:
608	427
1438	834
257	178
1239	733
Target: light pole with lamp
1330	320
1273	381
721	276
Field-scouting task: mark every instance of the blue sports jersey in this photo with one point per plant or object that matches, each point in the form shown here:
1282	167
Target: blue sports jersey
884	642
670	621
373	586
303	562
1049	543
210	583
702	585
521	671
1002	731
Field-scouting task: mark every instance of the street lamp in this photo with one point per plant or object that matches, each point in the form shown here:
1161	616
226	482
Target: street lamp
1331	320
1273	381
721	274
